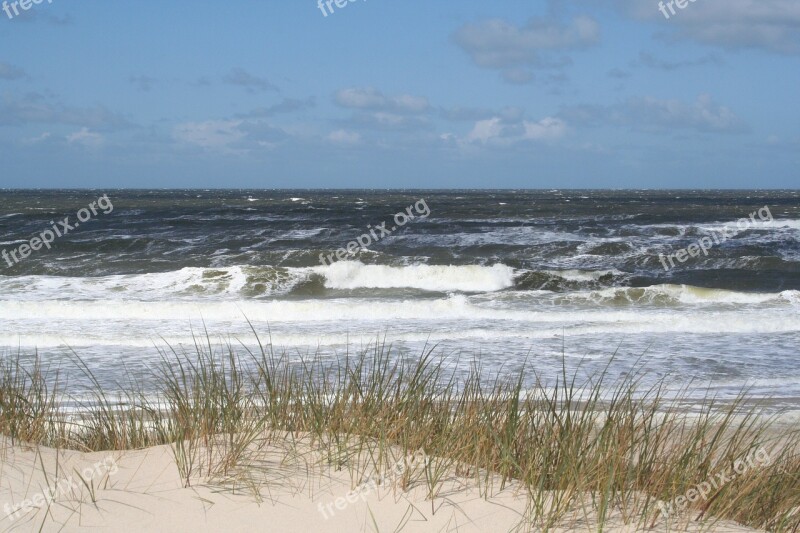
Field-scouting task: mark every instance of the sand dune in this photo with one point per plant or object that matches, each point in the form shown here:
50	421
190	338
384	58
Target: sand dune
286	491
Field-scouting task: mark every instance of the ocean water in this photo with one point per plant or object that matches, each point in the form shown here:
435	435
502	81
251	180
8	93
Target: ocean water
553	278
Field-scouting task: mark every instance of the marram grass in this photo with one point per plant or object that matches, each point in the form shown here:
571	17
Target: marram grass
596	448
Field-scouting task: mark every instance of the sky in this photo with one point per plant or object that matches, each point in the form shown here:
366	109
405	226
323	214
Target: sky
389	94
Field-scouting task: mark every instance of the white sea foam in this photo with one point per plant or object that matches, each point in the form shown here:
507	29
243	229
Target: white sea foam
787	223
20	317
629	327
233	282
683	294
241	283
584	275
471	278
186	283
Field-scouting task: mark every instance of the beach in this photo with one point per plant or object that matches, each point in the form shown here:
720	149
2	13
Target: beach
145	493
424	266
524	358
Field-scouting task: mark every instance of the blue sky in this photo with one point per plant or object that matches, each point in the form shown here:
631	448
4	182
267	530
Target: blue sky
388	94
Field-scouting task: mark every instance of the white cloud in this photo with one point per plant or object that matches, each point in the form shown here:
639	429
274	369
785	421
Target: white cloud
38	139
86	138
344	137
372	99
211	134
497	131
772	25
231	136
34	108
498	44
485	130
253	84
546	129
653	114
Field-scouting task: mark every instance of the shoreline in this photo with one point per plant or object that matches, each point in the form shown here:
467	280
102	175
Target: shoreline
608	450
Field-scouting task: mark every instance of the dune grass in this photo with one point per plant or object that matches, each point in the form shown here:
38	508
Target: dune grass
603	447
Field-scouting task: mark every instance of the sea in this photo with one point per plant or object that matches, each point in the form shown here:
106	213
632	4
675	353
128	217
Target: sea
699	289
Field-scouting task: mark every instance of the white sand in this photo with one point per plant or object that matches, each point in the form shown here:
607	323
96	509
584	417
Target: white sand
142	491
